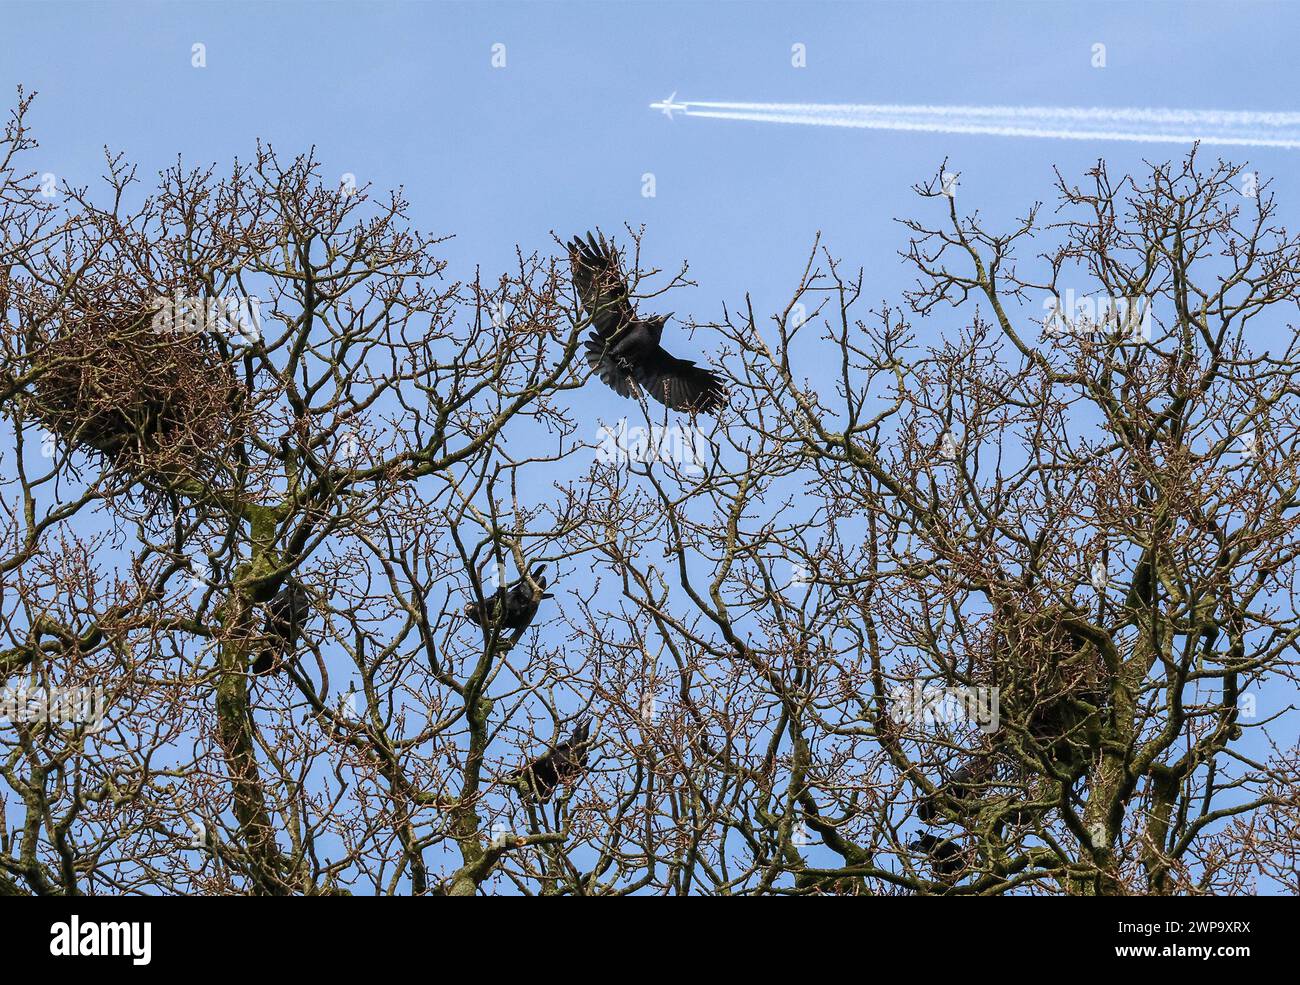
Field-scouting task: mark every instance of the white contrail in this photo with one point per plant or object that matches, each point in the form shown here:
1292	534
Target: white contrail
1241	128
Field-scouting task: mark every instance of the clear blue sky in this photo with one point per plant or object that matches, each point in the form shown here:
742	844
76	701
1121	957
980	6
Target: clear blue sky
404	93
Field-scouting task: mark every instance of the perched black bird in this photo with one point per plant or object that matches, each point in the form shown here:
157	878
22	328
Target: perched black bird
625	349
945	854
513	607
966	783
286	614
563	764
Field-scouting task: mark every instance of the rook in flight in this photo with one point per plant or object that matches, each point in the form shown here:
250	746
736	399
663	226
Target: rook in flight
624	349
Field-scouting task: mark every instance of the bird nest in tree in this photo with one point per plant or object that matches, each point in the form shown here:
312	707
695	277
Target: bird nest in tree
1051	683
1052	686
161	402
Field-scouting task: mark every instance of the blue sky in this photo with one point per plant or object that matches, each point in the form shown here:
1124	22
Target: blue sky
405	93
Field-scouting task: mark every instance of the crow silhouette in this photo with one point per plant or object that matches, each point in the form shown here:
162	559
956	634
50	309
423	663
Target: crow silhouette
624	349
964	785
945	854
563	764
286	614
510	608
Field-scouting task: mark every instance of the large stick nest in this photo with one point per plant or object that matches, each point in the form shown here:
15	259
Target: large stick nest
163	403
1052	684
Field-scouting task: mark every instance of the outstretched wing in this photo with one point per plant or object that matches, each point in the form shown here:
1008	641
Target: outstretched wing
679	383
612	373
601	287
641	364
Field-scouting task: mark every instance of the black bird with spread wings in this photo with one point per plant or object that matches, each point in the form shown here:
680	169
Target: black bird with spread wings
624	349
